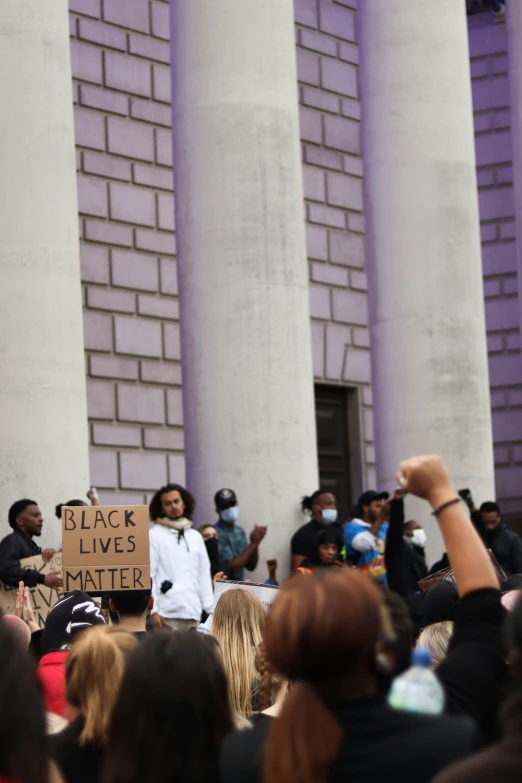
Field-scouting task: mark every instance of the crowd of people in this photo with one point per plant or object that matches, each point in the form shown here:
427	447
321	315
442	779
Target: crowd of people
167	684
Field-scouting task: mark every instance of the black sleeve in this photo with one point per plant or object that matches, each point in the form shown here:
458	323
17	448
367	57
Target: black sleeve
478	524
515	554
474	672
11	572
393	550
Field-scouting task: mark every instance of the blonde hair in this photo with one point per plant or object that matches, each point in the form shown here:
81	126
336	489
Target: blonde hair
237	624
436	638
94	671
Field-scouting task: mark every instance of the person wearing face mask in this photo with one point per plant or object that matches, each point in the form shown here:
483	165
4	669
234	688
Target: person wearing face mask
322	506
218	569
237	553
405	559
365	535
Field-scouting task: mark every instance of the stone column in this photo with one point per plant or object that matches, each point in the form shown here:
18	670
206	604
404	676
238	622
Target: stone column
514	34
245	332
428	339
43	435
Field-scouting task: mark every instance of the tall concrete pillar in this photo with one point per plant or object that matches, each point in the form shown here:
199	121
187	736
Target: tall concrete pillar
428	338
43	435
245	333
514	32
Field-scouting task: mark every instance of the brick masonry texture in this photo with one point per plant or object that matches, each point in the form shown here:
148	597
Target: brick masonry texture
121	87
490	86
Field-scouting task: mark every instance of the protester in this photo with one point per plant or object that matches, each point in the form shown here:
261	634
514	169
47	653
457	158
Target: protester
505	544
218	569
502	761
237	624
272	573
436	639
23	743
132	608
323	634
72	614
364	536
26	520
171	715
236	552
94	671
322	506
179	564
405	559
328	546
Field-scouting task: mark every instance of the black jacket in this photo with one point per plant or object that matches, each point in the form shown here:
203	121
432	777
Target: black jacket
78	763
14	548
504	543
379	745
405	564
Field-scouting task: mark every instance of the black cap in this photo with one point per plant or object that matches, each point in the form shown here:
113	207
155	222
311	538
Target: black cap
70	615
225	498
368	497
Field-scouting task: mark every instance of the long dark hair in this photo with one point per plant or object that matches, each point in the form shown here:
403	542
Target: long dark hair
171	715
156	508
23	743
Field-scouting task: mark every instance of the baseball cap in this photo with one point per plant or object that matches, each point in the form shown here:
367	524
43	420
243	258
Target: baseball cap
368	497
225	498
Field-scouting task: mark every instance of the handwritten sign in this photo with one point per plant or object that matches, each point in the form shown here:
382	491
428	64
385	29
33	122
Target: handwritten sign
43	597
105	548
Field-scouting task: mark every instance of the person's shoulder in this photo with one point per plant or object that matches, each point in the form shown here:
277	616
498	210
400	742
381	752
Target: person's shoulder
490	764
451	732
8	539
241	754
303	530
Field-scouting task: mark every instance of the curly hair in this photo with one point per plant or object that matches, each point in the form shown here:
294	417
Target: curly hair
156	508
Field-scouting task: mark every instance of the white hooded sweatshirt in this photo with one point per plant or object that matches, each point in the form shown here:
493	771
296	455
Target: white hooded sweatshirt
180	557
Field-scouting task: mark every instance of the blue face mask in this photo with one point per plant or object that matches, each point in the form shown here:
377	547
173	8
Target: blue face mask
329	515
230	515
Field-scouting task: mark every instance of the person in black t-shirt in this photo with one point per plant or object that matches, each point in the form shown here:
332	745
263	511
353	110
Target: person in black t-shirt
322	506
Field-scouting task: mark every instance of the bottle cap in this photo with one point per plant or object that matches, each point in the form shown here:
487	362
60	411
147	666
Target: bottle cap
421	657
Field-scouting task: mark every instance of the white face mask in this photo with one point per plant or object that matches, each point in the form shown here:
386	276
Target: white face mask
419	537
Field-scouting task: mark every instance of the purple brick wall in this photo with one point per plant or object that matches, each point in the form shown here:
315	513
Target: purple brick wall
490	85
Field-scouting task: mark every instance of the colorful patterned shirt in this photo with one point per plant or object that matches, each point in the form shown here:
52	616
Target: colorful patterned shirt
233	542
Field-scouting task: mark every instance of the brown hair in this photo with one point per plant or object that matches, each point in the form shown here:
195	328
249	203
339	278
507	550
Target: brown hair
237	624
319	631
94	671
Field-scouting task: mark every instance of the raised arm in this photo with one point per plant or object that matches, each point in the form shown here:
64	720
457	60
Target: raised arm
427	477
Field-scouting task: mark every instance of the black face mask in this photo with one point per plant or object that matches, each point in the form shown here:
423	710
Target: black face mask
212	545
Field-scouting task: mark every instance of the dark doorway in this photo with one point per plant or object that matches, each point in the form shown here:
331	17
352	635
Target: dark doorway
336	414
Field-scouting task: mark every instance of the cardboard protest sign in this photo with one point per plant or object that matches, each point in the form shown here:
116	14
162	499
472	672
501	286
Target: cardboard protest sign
446	575
105	548
43	597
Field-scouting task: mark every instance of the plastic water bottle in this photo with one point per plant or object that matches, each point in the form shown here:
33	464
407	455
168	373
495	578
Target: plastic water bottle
417	690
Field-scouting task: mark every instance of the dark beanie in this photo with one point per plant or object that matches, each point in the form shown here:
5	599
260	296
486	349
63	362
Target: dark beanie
66	618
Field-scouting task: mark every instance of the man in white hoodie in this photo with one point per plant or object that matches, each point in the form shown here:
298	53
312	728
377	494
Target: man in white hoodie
179	564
